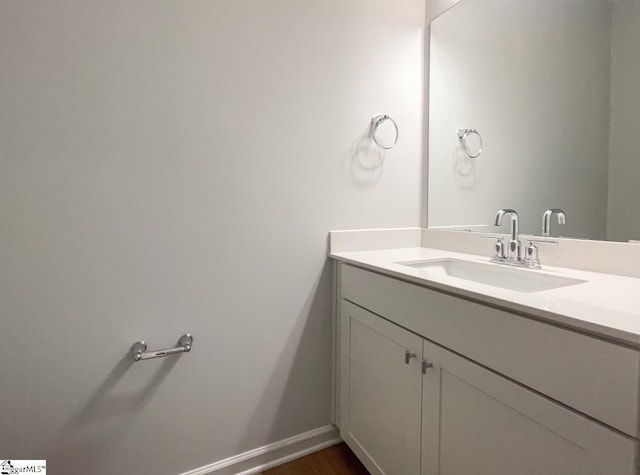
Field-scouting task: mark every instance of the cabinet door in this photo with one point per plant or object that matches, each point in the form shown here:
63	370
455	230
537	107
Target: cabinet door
479	423
381	392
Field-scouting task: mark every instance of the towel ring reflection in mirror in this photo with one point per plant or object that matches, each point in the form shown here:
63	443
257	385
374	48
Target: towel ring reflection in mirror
375	123
463	135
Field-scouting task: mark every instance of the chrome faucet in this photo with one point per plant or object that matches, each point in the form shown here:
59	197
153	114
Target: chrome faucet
546	220
513	255
513	247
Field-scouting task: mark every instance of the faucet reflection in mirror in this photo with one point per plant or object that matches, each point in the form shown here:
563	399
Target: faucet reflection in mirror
546	220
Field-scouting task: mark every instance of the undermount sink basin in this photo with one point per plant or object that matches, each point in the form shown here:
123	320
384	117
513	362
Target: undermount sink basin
520	280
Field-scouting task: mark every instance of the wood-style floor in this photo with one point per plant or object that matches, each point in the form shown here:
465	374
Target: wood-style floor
336	460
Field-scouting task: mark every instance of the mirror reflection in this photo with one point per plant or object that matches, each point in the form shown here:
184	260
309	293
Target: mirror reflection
553	89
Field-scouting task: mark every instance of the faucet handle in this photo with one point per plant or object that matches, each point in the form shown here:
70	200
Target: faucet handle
531	252
499	247
499	237
532	241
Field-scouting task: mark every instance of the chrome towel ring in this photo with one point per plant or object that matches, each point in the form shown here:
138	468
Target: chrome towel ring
463	134
375	123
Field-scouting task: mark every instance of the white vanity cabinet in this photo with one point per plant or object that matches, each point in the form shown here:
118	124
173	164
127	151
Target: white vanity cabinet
382	392
409	404
478	422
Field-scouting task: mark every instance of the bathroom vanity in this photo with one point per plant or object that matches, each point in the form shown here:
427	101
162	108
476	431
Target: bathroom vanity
447	364
438	372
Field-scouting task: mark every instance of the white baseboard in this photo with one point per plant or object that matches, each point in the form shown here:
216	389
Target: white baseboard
268	456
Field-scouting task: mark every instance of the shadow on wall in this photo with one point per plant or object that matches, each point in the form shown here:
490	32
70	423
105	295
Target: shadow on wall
303	369
90	435
465	169
364	160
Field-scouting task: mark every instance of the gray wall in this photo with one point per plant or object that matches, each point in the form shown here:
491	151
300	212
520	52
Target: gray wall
175	166
623	217
546	144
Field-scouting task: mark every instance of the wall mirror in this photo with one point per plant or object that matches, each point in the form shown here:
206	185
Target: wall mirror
553	89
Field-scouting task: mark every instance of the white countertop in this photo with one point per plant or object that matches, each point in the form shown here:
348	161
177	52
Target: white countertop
606	305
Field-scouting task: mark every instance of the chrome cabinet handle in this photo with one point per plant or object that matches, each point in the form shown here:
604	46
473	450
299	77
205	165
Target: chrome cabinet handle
139	349
426	366
407	356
